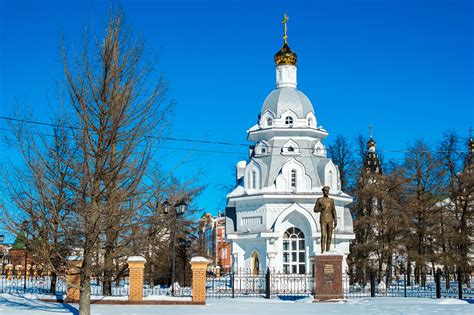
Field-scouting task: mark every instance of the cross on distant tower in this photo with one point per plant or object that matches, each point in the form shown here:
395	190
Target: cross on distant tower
370	128
285	19
470	133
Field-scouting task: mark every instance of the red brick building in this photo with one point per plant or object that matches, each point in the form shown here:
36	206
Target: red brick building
212	240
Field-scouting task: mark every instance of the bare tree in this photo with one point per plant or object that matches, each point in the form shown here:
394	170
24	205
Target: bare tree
85	192
341	153
451	161
379	224
40	190
118	114
424	175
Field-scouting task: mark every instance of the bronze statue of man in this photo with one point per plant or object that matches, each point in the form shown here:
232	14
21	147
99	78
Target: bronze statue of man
328	218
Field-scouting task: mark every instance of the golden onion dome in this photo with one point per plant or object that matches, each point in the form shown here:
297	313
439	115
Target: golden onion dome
286	56
370	143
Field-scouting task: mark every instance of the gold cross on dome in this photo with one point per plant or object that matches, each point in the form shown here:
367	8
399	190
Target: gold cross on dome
285	19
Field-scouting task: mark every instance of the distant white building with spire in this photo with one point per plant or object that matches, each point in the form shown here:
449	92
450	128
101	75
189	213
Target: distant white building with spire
270	217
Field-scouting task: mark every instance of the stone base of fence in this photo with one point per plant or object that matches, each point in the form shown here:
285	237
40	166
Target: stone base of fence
127	302
328	276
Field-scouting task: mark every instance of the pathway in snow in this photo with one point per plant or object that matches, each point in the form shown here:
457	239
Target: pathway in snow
14	305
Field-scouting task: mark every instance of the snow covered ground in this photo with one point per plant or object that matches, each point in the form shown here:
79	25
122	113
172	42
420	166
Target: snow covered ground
14	305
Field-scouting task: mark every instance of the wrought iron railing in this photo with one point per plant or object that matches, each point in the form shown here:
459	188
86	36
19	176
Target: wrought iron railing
246	283
119	287
160	290
34	285
431	287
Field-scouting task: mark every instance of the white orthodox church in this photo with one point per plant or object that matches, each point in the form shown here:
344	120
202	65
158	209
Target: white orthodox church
269	215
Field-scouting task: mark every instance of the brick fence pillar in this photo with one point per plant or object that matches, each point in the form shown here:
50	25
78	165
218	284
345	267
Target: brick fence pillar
199	268
73	278
136	265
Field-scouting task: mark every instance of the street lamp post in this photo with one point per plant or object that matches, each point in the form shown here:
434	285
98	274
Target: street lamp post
25	227
184	243
179	209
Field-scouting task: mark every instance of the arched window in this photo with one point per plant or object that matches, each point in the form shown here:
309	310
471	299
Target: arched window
294	253
264	151
293	179
291	149
255	264
289	121
253	183
269	122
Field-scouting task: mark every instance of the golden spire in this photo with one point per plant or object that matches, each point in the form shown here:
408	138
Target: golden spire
285	19
371	142
285	56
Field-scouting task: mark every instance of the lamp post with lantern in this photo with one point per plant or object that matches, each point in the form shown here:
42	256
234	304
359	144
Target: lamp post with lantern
179	210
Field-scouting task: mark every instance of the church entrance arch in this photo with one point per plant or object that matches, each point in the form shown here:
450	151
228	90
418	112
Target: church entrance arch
294	251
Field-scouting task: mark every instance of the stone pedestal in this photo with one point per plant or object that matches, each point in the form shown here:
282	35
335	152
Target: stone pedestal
328	276
199	268
136	266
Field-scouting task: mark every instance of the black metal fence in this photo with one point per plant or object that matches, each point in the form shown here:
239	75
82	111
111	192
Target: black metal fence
245	283
272	283
433	286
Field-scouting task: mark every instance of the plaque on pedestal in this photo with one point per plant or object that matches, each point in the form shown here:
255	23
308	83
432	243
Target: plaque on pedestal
328	276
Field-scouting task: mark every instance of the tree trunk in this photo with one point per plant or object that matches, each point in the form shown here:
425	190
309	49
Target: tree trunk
446	277
408	271
85	289
388	273
54	279
108	271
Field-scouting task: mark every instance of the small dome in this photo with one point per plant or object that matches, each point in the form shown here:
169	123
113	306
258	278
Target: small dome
370	143
286	56
283	99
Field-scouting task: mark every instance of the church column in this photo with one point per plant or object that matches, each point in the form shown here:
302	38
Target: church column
271	259
317	243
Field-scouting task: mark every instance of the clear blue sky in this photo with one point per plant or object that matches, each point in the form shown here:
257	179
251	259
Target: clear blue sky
405	66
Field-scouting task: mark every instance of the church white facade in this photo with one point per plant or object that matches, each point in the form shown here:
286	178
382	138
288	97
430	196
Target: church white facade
270	218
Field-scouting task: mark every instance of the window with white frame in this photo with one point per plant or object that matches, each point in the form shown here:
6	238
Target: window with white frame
269	121
293	179
294	253
253	179
310	122
289	121
290	148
